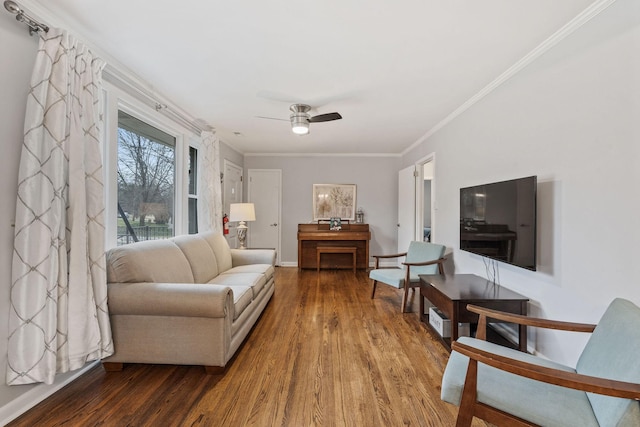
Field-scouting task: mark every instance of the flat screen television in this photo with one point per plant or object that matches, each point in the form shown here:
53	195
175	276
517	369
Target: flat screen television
498	221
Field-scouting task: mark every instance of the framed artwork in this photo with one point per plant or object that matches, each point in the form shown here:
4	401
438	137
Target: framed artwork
334	201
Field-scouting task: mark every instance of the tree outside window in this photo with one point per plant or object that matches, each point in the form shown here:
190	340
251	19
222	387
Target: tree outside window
146	181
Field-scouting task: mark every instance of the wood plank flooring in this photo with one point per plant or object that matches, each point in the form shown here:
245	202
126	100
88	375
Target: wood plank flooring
322	354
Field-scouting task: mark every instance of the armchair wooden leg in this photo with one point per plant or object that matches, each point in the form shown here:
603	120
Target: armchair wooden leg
373	288
469	396
405	297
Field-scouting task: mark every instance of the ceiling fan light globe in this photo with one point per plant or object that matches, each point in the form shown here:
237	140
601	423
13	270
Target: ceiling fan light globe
300	123
300	128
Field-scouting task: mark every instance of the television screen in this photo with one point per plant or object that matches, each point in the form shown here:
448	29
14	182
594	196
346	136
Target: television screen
498	220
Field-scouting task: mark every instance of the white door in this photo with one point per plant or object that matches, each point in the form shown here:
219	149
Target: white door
232	193
406	208
265	190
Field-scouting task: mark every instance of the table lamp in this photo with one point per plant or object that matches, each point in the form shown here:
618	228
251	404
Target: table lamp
242	212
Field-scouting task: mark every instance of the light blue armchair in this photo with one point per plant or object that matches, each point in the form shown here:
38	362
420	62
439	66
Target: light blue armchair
421	258
510	388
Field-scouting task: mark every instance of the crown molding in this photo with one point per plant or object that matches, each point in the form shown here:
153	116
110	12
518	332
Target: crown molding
322	155
585	16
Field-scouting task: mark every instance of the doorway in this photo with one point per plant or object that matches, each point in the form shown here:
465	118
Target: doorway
416	203
425	194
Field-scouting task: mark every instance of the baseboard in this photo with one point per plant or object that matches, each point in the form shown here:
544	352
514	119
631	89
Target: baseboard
37	394
288	264
388	264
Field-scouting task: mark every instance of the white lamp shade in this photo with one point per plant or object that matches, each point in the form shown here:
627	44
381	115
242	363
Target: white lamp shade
242	212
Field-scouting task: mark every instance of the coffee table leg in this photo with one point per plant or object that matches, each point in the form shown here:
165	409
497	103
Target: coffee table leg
522	338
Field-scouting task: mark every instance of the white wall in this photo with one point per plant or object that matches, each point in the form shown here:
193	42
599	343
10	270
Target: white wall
573	119
376	180
229	153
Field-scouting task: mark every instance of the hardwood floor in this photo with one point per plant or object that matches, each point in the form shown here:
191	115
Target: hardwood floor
322	354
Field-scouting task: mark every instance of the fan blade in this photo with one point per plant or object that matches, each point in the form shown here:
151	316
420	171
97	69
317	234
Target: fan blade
272	118
325	117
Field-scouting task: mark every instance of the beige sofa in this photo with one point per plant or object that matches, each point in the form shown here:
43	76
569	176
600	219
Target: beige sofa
189	300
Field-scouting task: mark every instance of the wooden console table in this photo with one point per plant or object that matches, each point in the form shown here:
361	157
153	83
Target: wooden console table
452	293
352	237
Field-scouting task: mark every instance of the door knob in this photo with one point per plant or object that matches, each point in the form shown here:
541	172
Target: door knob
275	224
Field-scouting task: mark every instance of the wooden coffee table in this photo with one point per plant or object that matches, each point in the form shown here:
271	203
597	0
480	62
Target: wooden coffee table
452	293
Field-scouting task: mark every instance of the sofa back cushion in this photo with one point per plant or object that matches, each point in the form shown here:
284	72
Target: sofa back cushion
220	248
612	352
200	256
150	261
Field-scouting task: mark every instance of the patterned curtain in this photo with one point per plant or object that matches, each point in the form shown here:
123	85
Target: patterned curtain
210	202
59	319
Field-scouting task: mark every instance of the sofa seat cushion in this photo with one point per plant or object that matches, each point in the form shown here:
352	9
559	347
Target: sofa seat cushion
242	297
534	401
266	269
255	281
392	276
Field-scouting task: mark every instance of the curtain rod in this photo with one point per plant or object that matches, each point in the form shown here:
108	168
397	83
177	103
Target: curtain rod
21	15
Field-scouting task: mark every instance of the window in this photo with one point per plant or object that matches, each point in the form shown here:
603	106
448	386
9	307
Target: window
193	190
146	181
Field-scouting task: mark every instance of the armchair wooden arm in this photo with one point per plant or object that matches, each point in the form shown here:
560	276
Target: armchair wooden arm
435	261
549	375
439	261
390	256
377	257
487	313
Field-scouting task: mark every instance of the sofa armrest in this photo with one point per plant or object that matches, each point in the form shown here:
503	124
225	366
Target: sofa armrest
170	299
253	256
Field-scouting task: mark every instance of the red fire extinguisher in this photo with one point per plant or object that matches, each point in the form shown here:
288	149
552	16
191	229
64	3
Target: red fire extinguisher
225	224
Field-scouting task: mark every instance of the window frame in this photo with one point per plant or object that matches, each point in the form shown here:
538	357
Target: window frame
116	99
196	195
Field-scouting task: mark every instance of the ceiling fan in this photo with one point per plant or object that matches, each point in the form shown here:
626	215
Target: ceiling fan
300	118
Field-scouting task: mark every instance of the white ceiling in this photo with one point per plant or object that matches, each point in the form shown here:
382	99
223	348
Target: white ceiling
394	70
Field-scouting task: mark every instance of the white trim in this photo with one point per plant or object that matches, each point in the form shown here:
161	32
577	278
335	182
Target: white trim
119	99
289	264
430	158
568	29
